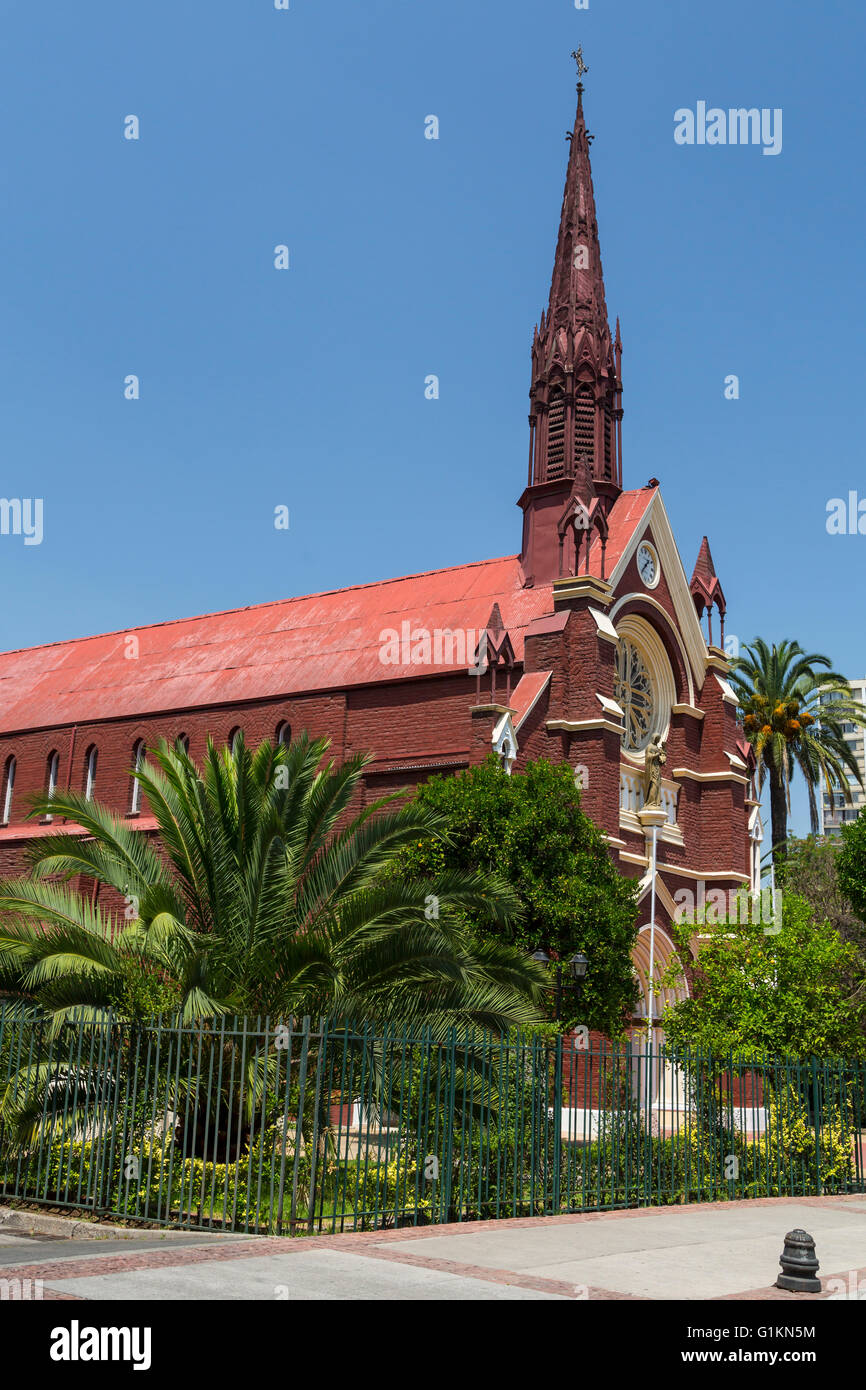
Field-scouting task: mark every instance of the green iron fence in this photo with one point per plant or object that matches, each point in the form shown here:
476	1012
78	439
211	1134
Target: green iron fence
250	1125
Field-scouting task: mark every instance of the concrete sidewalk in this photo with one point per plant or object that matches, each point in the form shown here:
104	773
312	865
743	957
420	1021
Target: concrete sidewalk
715	1251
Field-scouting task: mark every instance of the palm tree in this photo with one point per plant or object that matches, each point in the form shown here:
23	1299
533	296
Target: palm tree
794	710
263	896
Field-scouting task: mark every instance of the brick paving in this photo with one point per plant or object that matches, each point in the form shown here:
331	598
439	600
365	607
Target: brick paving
375	1244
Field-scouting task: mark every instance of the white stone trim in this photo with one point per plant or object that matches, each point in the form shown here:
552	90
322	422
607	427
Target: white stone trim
610	706
605	627
729	695
656	519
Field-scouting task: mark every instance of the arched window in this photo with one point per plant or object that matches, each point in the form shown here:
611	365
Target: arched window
284	733
90	758
181	743
139	754
233	738
53	773
634	692
8	789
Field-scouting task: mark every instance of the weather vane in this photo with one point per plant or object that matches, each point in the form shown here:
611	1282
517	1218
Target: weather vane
581	65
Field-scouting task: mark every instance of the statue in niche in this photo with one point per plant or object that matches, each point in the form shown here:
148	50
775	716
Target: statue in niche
656	757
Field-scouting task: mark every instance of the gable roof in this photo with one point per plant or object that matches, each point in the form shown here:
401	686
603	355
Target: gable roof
623	520
654	516
322	641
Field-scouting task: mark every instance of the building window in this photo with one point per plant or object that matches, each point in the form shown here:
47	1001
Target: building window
8	789
633	691
284	733
181	743
90	772
233	738
51	779
139	754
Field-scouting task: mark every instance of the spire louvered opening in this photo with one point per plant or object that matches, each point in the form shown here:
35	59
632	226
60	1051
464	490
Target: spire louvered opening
584	423
607	443
556	438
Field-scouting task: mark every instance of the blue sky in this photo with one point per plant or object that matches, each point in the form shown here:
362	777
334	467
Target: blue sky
305	388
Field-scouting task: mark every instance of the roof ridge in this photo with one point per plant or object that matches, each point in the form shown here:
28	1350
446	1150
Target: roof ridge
251	607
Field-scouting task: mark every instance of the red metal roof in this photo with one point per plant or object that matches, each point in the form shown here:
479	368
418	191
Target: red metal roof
526	692
328	641
318	642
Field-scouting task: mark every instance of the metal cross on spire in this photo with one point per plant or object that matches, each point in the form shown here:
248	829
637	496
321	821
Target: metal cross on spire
581	65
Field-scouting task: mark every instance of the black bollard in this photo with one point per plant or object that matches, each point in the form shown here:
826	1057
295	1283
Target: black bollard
799	1264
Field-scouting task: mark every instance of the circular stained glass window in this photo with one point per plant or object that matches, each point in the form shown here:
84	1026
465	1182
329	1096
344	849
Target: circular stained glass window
633	692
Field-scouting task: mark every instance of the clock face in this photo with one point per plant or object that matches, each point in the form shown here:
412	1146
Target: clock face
648	566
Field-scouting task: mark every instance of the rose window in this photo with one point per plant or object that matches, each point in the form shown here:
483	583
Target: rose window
633	692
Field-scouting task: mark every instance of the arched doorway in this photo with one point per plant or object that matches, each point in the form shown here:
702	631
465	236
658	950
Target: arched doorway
658	1087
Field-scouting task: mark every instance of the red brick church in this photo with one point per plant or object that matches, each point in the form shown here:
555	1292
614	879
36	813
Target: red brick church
582	647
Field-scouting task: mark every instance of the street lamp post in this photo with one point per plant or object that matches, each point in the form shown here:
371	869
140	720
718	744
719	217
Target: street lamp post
577	968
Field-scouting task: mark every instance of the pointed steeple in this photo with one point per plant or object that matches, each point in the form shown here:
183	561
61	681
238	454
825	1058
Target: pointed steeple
706	590
576	387
577	285
704	576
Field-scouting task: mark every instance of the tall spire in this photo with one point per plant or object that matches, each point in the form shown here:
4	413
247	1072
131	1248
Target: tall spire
577	287
576	389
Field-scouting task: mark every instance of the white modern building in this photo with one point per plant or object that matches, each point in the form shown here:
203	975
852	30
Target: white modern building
835	809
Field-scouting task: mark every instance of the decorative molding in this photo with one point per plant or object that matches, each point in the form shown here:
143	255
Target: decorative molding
655	518
576	726
582	586
606	630
690	710
729	695
709	776
610	706
710	876
670	834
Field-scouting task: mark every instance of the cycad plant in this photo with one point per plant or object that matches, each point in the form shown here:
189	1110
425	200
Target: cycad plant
261	893
794	709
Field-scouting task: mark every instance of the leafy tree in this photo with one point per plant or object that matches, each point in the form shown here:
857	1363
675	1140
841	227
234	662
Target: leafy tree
529	830
851	864
261	896
800	992
812	870
784	719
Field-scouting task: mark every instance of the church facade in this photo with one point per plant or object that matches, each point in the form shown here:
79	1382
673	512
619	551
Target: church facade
587	646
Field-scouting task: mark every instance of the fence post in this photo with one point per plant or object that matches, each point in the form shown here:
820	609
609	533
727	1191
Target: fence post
557	1123
816	1109
317	1101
